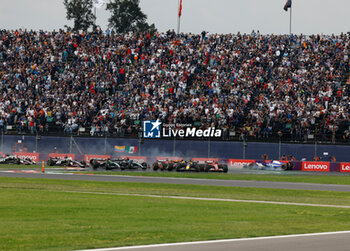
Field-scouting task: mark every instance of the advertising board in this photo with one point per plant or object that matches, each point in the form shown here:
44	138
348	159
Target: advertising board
239	163
345	167
314	166
23	155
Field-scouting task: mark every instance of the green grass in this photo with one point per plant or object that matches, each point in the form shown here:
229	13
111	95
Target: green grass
241	193
40	215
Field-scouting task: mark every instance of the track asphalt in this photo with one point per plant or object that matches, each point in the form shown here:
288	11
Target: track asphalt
336	241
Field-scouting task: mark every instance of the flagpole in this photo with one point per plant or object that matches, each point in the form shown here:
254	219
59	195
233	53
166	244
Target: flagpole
178	18
290	21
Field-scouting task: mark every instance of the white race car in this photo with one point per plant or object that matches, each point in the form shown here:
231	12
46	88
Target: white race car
9	159
273	165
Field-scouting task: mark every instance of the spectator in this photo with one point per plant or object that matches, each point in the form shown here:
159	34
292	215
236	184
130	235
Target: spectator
254	84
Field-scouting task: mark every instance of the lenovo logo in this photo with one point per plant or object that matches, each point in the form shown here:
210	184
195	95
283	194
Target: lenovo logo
237	163
316	166
345	167
32	158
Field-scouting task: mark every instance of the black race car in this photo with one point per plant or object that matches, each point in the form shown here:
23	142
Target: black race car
121	164
107	164
8	159
66	162
131	164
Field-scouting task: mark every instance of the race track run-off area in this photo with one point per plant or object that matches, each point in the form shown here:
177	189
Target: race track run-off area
338	241
310	220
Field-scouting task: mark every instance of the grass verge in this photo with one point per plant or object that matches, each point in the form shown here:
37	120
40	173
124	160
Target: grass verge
239	193
40	215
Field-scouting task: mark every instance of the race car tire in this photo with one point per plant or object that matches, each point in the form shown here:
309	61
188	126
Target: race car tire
83	164
170	167
144	166
17	161
290	166
95	164
51	162
224	168
155	167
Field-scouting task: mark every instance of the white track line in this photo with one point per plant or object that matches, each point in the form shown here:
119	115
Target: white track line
217	241
209	199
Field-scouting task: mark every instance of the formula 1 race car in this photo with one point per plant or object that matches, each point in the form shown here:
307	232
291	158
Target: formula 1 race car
131	164
164	165
274	165
121	164
104	163
213	166
191	165
65	162
8	159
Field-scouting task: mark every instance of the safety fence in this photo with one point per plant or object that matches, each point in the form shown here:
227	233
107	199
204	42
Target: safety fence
185	149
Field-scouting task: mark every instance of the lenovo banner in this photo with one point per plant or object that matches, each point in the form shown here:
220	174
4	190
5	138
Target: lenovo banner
345	167
314	166
239	163
138	159
62	155
88	157
23	155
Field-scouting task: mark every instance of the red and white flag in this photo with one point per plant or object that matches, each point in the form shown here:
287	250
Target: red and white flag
180	8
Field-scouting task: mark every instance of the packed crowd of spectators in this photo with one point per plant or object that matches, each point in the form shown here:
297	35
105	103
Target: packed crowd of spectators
102	82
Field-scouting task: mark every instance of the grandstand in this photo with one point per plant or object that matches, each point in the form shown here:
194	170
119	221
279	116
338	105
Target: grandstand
250	85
